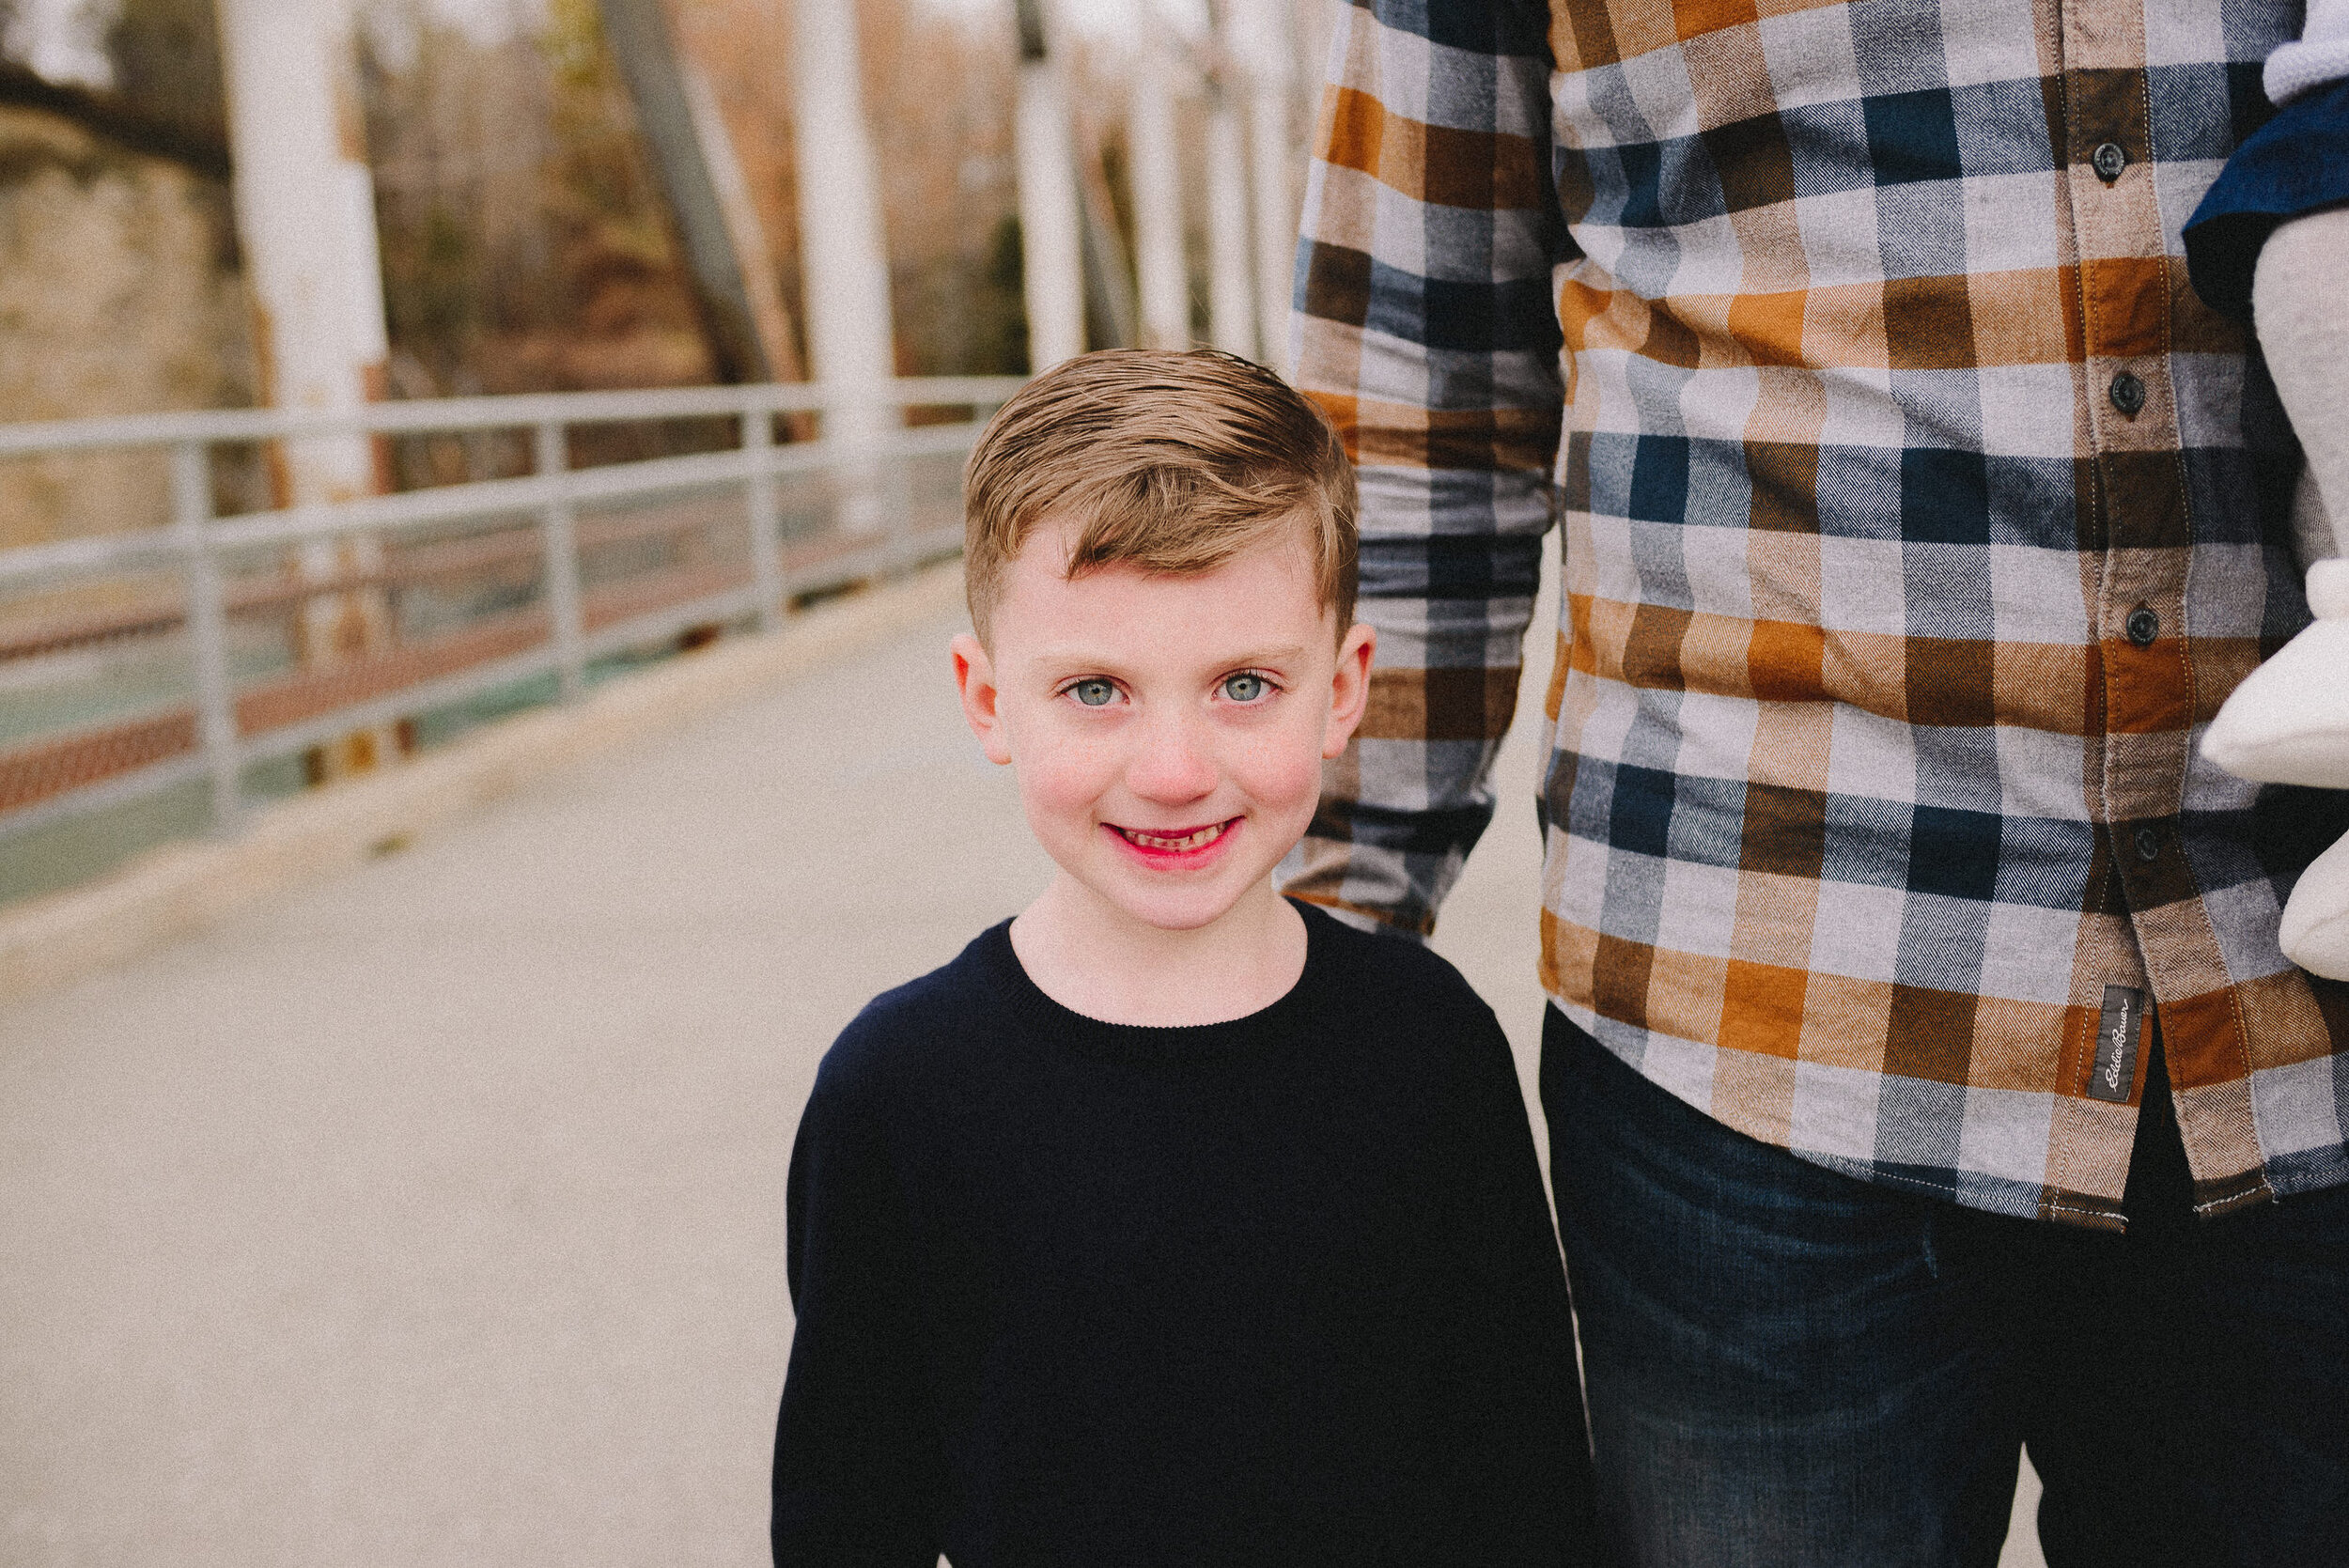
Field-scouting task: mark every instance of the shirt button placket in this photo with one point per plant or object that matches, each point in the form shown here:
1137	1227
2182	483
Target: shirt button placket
2144	758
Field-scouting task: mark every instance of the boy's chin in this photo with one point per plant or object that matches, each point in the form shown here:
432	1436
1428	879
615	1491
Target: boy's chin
1177	910
1176	915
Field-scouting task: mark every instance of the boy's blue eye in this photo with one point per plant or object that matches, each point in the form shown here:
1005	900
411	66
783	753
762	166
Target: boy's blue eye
1245	687
1093	693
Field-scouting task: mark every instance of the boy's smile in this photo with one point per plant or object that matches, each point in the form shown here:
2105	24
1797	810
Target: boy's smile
1159	846
1168	730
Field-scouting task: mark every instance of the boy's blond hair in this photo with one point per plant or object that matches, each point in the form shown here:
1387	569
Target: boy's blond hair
1170	461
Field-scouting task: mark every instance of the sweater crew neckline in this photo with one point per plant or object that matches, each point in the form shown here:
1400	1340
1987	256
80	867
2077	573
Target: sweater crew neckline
1170	1044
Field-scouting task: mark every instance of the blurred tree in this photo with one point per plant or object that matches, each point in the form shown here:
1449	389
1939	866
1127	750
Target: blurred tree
444	297
165	55
613	234
999	336
525	246
939	85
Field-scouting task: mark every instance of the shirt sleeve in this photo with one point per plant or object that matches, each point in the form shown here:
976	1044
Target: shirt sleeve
1519	1444
856	1448
1426	329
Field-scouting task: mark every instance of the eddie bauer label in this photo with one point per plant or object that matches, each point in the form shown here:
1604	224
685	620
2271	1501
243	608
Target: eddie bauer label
2116	1045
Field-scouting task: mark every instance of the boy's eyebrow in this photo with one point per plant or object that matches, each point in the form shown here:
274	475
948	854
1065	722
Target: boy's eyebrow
1077	655
1281	654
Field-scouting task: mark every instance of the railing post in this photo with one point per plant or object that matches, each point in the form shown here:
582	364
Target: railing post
899	490
208	629
558	528
759	441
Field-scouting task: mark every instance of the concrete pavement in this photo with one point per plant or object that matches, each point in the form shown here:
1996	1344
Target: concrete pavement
433	1213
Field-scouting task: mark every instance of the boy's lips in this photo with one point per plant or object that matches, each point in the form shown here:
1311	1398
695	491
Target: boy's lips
1174	844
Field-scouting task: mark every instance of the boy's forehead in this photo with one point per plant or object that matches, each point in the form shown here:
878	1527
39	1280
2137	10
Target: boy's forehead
1265	591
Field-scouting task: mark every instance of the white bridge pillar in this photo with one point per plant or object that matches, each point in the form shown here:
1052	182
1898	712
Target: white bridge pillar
1159	271
1231	280
844	263
305	218
1051	242
1272	80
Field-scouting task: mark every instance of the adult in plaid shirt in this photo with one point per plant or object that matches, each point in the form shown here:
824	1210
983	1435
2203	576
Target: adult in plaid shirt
1915	516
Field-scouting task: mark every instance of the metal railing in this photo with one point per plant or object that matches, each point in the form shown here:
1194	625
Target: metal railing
140	660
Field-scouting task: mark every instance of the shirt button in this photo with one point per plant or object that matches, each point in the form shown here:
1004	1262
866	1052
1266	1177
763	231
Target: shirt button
2109	161
2148	845
2143	627
2128	394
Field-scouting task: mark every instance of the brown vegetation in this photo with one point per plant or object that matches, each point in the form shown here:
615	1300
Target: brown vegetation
525	243
525	247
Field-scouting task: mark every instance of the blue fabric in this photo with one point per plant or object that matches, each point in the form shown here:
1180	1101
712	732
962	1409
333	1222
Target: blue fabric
1788	1366
2296	162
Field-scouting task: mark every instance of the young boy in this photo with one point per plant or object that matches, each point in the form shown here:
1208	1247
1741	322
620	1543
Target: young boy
1173	1222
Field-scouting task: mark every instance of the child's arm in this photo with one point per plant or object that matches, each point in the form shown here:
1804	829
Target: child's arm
2269	244
856	1449
1521	1451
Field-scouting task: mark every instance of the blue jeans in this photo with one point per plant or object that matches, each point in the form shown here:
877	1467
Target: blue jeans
1789	1368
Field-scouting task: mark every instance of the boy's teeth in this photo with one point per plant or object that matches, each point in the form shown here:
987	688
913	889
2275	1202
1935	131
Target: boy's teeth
1159	841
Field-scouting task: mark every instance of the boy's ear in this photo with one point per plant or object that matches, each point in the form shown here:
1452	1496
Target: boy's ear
975	677
1349	688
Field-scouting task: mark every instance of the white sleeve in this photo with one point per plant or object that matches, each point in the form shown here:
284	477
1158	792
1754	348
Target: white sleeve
2318	60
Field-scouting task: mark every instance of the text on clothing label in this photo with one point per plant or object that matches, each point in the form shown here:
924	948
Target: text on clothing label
2116	1045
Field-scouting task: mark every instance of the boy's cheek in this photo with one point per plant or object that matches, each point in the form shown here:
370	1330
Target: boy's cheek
1057	797
1059	772
1038	737
1287	777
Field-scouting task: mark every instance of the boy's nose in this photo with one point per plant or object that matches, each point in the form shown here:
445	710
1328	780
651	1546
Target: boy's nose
1169	766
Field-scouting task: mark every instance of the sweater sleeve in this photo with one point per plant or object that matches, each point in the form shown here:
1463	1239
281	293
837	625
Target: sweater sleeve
1522	1463
2297	164
2318	58
856	1476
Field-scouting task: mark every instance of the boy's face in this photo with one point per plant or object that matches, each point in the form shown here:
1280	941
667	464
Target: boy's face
1168	730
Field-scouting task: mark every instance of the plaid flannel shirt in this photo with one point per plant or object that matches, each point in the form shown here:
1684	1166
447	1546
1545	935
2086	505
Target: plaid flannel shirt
1917	516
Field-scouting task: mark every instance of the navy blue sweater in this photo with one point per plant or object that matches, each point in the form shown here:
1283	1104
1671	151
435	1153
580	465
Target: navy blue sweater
1276	1291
